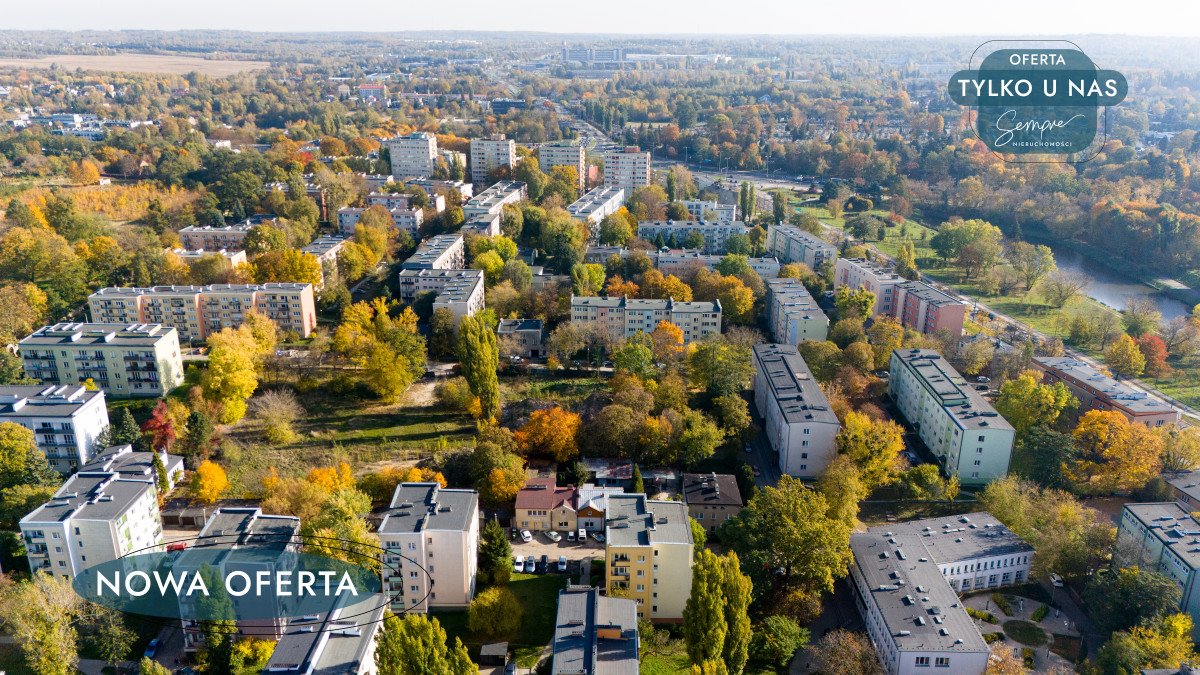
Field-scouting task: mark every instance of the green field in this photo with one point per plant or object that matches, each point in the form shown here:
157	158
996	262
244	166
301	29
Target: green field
538	595
674	661
564	390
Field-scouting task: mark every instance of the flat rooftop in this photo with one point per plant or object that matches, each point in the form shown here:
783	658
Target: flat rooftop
875	269
711	489
127	463
98	334
920	610
325	244
91	495
595	199
958	538
1102	385
808	238
515	325
495	194
334	642
594	634
959	399
793	387
431	250
1173	526
39	400
929	294
417	507
635	520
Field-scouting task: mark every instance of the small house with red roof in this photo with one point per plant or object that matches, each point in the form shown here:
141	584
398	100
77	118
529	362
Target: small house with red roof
544	505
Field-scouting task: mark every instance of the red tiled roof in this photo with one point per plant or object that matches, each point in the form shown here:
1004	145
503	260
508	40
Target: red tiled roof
542	493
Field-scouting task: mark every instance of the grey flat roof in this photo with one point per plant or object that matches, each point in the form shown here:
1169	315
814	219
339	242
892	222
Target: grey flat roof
1173	526
123	460
417	507
958	538
883	273
711	489
431	249
635	520
332	643
920	610
594	634
928	293
514	325
1102	385
809	239
793	387
88	334
1188	483
91	495
791	295
967	406
18	400
325	244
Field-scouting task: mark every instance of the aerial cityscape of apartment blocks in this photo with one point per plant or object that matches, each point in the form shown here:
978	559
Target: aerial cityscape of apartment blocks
792	245
564	153
440	252
623	317
792	314
198	311
124	360
94	518
1097	391
430	536
488	155
964	432
66	420
648	554
627	168
413	155
672	233
797	418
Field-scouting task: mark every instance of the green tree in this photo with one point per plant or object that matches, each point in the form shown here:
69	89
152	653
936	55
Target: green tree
40	615
1042	453
1032	262
126	430
495	564
776	640
587	279
823	358
196	443
699	534
1130	596
854	303
874	445
479	354
924	482
1025	402
495	611
720	367
716	625
416	645
147	666
639	487
441	333
1125	358
906	260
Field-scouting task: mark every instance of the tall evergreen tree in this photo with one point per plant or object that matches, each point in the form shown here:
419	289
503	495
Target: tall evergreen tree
639	486
495	554
704	625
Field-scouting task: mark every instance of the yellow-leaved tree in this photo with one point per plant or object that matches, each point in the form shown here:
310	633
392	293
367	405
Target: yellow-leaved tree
1115	455
209	482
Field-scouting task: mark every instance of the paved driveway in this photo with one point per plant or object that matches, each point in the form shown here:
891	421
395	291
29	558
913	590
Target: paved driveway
573	550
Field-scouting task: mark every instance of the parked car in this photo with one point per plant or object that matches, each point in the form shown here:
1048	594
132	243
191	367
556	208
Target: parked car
562	563
1056	580
598	536
571	535
543	565
983	380
530	565
749	448
526	536
519	564
151	649
553	536
582	535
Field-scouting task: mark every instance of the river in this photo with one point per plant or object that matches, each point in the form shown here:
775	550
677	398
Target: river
1112	288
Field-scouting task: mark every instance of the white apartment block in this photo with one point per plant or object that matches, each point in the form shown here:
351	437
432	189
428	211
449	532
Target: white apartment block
327	248
1162	537
414	154
800	425
622	318
628	168
431	538
127	463
123	360
699	209
94	518
404	219
192	256
966	434
66	420
403	200
210	237
564	153
594	206
198	311
489	154
486	225
912	616
441	252
442	187
860	273
460	291
674	233
491	201
792	245
792	314
974	551
678	262
648	546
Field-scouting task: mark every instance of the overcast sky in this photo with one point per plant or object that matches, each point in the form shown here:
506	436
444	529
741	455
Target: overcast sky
999	18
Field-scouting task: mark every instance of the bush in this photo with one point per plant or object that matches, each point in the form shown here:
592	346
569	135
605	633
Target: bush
776	639
1041	612
993	637
454	394
495	611
982	615
1003	603
1027	657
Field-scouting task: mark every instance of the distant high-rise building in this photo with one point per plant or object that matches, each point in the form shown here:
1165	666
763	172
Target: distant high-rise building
563	153
489	154
628	168
413	155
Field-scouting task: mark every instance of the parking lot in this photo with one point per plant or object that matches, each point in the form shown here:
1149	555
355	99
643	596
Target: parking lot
573	550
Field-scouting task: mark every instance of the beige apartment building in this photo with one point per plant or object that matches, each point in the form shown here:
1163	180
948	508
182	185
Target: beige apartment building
216	237
648	548
860	273
564	153
622	317
125	360
198	311
489	154
413	155
792	245
628	168
430	536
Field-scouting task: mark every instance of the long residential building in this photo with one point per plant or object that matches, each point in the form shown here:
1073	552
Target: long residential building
860	273
680	261
800	425
123	360
430	536
699	209
1165	538
792	245
124	461
564	153
413	155
1097	391
627	168
624	317
403	219
597	204
594	634
962	430
489	154
199	311
792	314
231	237
915	304
94	518
648	550
191	256
460	291
491	201
440	252
915	620
674	233
341	640
66	420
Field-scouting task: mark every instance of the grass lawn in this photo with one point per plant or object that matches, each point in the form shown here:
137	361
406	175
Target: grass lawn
538	595
821	212
564	390
1025	632
674	660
